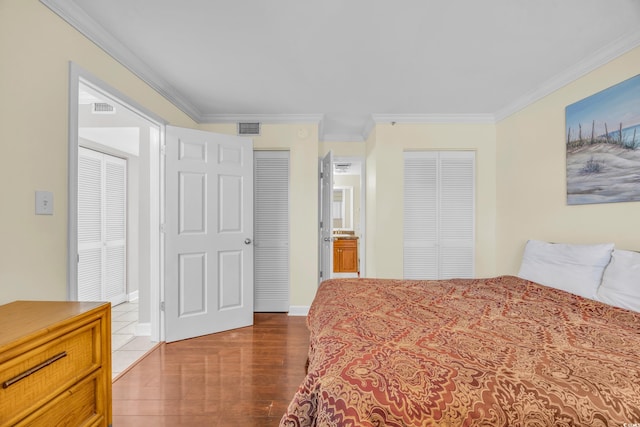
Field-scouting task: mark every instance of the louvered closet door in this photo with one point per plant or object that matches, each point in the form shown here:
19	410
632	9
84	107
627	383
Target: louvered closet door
115	196
90	235
102	211
439	201
271	231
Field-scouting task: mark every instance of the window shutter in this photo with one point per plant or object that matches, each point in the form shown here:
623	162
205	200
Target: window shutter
271	230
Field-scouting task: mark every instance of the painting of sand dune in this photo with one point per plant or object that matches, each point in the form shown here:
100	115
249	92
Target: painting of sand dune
603	146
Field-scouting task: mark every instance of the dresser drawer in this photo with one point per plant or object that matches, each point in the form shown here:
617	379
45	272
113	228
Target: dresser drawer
31	379
76	406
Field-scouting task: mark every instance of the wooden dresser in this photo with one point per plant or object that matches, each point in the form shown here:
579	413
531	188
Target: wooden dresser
55	363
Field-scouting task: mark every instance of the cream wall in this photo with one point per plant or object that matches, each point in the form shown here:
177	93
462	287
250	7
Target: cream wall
36	47
301	140
520	165
385	182
531	167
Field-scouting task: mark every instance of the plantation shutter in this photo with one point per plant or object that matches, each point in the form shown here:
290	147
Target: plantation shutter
271	231
102	181
439	201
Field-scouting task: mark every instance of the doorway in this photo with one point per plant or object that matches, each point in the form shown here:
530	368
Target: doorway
105	121
348	199
342	237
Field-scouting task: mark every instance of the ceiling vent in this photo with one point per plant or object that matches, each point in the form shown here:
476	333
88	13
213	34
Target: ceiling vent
248	128
102	108
341	167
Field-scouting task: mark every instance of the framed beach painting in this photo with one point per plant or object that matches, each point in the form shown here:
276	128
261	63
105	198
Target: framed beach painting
603	146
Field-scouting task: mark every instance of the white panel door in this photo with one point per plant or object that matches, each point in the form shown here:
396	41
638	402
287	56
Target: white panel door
326	217
102	213
208	233
271	231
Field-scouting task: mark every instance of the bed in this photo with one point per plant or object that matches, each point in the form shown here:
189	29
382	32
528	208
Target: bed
503	351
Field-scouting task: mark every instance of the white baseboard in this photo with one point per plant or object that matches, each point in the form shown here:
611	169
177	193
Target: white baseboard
298	310
143	330
133	296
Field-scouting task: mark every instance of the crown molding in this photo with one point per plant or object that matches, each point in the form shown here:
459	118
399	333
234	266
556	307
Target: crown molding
369	125
78	19
599	58
433	118
341	137
263	118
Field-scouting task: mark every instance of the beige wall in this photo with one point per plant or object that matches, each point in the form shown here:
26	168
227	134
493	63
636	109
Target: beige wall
385	183
520	166
301	140
36	47
531	191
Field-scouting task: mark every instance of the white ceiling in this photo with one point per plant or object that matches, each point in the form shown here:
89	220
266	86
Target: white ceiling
347	64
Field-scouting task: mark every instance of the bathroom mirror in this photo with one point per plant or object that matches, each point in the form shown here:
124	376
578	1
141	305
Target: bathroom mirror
343	208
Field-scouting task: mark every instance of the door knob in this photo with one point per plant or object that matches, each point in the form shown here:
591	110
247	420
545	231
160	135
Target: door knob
247	241
327	239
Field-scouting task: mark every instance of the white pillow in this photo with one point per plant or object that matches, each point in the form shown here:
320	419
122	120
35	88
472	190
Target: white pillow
573	268
621	281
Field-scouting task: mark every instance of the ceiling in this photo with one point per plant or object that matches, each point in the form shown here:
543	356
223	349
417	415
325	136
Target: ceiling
347	64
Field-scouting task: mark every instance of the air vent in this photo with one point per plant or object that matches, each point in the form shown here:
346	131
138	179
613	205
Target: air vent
102	108
341	167
245	128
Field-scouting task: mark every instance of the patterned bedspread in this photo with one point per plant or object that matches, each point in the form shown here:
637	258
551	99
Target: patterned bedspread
486	352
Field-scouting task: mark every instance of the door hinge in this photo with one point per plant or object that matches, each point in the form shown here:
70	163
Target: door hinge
162	228
321	175
321	274
163	150
161	305
321	224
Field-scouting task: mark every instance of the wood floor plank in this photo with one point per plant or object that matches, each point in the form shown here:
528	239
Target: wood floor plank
244	377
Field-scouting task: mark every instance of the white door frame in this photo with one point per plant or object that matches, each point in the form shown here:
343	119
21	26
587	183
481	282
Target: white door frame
325	226
362	244
78	75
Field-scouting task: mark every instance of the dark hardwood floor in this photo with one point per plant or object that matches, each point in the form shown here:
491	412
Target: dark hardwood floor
244	377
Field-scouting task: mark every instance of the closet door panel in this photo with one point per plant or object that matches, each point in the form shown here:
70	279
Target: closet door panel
271	231
115	226
438	239
420	232
90	234
102	210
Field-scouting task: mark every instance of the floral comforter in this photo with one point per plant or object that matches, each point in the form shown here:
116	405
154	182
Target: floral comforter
466	352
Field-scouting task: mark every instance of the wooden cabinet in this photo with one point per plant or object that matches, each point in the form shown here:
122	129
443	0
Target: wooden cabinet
55	363
345	255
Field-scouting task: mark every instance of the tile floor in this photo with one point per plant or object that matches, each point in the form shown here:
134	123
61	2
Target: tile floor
126	347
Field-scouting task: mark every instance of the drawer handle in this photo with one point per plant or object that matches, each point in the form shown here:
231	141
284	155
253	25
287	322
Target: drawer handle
33	370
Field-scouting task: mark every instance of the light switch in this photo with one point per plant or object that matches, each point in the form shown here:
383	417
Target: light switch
44	203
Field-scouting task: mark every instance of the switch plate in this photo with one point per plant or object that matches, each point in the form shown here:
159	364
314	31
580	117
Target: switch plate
44	203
